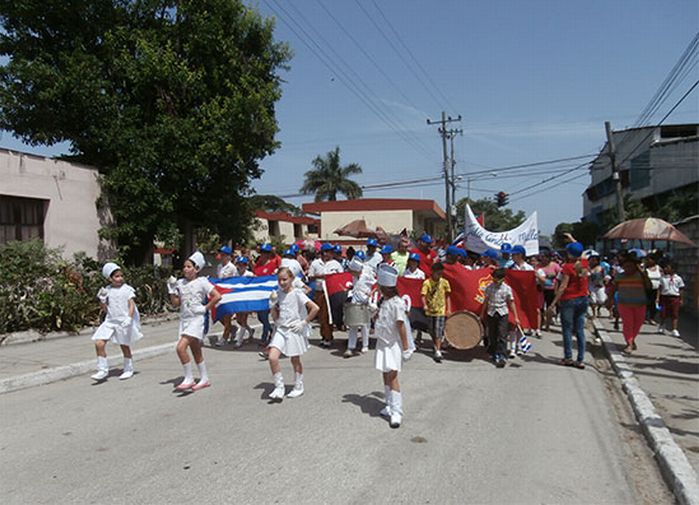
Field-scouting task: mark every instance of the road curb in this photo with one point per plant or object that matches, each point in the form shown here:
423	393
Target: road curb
29	336
59	373
674	465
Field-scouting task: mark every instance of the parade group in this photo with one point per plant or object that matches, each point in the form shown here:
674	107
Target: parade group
572	285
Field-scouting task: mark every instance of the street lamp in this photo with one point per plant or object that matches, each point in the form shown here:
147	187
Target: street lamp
469	179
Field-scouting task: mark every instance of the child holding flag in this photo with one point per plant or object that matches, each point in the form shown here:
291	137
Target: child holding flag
499	300
190	294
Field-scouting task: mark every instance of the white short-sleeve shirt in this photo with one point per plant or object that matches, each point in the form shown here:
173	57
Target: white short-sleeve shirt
391	311
192	293
415	274
292	306
670	285
227	270
118	301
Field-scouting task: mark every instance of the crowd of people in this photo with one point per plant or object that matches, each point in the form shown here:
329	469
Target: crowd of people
571	286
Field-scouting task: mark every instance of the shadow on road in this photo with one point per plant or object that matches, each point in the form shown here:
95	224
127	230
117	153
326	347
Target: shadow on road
369	404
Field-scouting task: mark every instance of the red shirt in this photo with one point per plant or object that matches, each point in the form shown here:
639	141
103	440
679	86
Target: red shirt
577	285
426	260
267	268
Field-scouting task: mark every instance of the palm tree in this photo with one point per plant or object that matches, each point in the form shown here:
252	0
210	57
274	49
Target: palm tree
328	178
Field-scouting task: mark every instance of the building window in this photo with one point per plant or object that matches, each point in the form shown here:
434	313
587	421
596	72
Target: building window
21	218
640	171
273	229
298	231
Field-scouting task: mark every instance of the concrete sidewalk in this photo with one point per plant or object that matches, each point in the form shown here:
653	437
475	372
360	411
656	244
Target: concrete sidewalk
667	369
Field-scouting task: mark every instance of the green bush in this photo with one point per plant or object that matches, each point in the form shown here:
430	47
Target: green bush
41	290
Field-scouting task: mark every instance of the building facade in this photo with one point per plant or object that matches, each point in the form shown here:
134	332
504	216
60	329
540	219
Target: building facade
51	200
391	214
283	227
653	163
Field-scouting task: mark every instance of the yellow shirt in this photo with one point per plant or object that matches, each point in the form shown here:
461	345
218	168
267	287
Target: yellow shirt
435	293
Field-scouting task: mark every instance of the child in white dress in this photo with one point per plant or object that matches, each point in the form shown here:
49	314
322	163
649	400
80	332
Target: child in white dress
292	312
392	344
121	324
195	296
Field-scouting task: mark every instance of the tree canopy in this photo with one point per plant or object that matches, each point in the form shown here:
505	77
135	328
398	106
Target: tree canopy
496	218
328	178
272	203
172	100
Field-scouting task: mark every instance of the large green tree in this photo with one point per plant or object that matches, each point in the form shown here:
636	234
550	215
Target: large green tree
496	218
172	100
328	178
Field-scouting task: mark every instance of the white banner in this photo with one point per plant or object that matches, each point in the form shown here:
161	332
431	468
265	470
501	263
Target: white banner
478	239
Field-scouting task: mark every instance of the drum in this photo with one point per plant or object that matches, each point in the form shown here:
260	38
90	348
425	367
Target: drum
463	330
356	314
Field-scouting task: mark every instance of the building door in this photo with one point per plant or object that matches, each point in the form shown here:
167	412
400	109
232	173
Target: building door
21	218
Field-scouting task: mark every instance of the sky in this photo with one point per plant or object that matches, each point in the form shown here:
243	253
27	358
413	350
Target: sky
532	80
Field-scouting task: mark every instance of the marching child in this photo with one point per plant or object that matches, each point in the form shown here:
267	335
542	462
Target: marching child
363	280
121	324
292	312
190	294
498	298
241	265
392	344
670	297
435	300
226	269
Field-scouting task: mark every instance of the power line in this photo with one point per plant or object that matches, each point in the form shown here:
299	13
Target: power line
343	77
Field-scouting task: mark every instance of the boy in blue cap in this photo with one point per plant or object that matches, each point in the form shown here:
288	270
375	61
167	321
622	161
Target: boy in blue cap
427	255
319	269
373	256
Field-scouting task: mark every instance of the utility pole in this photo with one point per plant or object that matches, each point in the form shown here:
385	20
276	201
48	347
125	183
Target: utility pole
453	133
444	133
611	152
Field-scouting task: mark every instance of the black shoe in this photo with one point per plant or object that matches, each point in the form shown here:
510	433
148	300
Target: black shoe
500	363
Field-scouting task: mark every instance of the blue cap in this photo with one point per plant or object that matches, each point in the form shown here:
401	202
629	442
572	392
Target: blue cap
426	238
575	249
326	247
371	242
294	248
518	249
266	248
387	249
491	253
506	248
452	250
338	248
242	259
414	257
463	253
289	252
226	250
360	255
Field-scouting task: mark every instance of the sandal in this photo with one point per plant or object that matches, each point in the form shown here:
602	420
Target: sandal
627	349
566	362
579	365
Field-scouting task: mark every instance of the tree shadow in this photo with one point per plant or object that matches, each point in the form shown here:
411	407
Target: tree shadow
369	404
671	365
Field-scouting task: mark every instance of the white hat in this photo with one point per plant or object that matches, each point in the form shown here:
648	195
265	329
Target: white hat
388	276
108	269
198	260
356	265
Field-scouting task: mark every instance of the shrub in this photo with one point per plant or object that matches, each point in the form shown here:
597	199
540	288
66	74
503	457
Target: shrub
41	290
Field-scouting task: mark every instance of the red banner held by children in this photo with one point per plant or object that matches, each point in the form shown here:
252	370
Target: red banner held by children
335	283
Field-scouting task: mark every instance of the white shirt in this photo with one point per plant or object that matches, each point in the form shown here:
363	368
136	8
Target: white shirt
193	293
292	307
320	267
415	274
524	267
227	270
361	289
391	311
246	273
118	302
375	260
654	274
498	296
670	285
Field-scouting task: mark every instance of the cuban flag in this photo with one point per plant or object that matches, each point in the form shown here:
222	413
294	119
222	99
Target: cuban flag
243	294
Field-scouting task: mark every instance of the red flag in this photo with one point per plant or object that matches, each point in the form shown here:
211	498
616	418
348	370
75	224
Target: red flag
335	283
412	288
468	291
481	219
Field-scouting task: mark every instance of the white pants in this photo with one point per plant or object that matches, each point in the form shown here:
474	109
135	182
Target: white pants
352	336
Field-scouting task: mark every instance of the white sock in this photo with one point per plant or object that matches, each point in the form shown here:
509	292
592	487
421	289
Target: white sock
102	363
365	336
204	377
278	380
128	365
187	373
298	383
396	402
387	394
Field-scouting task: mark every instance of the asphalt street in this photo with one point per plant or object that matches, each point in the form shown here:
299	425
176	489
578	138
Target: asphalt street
534	432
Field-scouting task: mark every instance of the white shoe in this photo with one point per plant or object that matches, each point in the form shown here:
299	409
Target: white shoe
238	342
512	353
661	330
278	393
126	374
296	392
100	375
365	350
385	412
396	419
347	354
675	333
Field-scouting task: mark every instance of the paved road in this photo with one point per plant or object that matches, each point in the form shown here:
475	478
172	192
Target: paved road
534	432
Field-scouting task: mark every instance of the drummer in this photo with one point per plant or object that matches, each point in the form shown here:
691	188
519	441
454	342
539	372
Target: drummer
363	280
435	299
